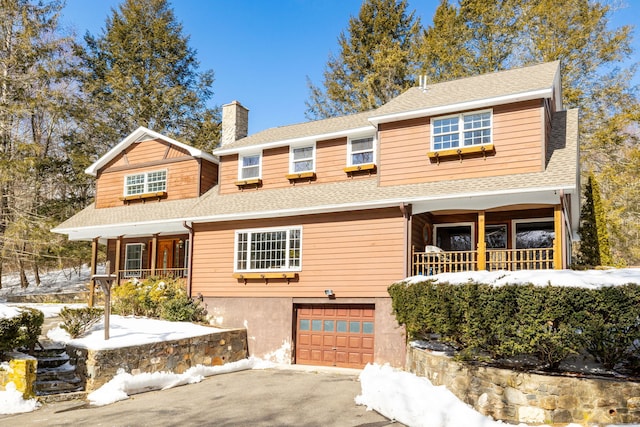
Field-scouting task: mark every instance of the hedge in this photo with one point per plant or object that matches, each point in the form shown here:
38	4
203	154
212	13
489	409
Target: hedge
547	323
21	331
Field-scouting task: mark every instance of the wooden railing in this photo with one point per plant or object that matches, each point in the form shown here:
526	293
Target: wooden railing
520	259
175	273
430	263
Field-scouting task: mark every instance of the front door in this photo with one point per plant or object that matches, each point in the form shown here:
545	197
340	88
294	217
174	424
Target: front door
165	255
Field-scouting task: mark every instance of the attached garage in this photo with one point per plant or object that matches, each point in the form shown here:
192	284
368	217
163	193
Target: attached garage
335	335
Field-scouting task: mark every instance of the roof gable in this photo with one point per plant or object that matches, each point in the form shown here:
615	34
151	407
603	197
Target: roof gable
139	135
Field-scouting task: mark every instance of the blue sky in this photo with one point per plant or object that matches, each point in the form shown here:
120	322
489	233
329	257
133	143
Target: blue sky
262	51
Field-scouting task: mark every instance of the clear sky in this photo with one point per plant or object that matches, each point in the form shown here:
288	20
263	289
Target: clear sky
262	51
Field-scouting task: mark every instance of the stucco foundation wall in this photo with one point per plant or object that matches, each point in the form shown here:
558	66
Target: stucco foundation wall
520	397
97	367
270	325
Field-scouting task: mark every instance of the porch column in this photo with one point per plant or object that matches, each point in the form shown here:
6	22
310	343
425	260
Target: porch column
557	241
482	246
154	252
94	269
118	259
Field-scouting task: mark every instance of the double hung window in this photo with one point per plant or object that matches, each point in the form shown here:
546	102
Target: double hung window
361	151
462	130
268	249
133	260
147	182
302	159
249	167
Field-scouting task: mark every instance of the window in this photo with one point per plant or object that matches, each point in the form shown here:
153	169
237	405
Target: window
148	182
249	167
133	259
268	249
361	151
302	159
464	130
534	234
454	237
495	236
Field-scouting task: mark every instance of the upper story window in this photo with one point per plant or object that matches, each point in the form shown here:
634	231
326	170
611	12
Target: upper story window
147	182
461	130
249	166
361	151
268	249
302	159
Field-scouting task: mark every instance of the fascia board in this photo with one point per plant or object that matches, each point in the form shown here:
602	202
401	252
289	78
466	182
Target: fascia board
462	106
293	141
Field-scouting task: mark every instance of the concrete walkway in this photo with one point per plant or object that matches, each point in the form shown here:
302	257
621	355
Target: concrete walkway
273	397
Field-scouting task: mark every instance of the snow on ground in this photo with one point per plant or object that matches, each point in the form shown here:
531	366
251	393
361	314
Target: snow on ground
581	279
395	394
51	282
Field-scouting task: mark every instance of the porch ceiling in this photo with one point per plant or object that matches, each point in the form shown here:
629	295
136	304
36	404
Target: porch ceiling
486	202
126	230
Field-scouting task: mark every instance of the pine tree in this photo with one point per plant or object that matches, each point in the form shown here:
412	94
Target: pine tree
377	61
142	72
589	253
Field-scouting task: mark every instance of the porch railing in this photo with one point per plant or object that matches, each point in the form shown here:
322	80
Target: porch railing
430	263
175	273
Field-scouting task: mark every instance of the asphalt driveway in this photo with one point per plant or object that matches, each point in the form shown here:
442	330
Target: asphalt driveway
273	397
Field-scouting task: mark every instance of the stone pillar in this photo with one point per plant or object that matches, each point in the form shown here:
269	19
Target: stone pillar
235	122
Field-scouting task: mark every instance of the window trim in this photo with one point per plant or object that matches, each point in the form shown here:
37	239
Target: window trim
241	167
374	146
292	161
251	231
461	131
515	222
145	183
130	272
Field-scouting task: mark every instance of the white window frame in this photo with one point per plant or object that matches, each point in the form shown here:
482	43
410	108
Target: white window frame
241	167
350	151
461	131
515	222
456	224
136	271
145	182
248	253
293	161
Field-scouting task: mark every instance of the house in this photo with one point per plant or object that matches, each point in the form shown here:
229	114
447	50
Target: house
296	232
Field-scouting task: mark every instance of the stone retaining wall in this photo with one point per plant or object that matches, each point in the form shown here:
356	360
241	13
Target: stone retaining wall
521	397
62	297
97	367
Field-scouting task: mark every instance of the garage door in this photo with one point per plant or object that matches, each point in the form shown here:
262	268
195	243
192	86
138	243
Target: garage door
334	335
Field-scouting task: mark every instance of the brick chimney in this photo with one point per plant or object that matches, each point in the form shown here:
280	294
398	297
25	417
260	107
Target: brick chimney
235	122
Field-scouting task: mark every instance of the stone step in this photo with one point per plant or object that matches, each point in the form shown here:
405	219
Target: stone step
57	386
63	372
50	362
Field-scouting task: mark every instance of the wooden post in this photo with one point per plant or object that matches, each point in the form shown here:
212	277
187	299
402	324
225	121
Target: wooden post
154	254
482	245
105	281
559	237
94	269
118	259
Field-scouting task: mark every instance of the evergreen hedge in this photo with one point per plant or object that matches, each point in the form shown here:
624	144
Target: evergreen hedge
546	323
21	331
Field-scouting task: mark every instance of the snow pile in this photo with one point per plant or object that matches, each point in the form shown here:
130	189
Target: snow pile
581	279
11	401
414	401
127	331
8	312
125	384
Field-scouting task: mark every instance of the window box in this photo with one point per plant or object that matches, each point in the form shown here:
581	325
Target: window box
460	152
371	167
249	182
288	276
144	196
300	176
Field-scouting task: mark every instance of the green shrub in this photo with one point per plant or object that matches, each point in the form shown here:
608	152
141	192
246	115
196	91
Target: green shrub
156	297
77	321
22	330
548	323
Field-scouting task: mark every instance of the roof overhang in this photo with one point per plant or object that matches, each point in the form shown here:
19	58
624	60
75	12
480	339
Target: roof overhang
462	106
144	134
355	132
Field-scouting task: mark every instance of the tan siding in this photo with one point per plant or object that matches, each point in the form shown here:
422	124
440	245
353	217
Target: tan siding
208	176
356	254
517	137
182	182
228	173
275	165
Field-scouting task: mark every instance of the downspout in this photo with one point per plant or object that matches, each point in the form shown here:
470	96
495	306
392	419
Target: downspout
190	228
406	214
